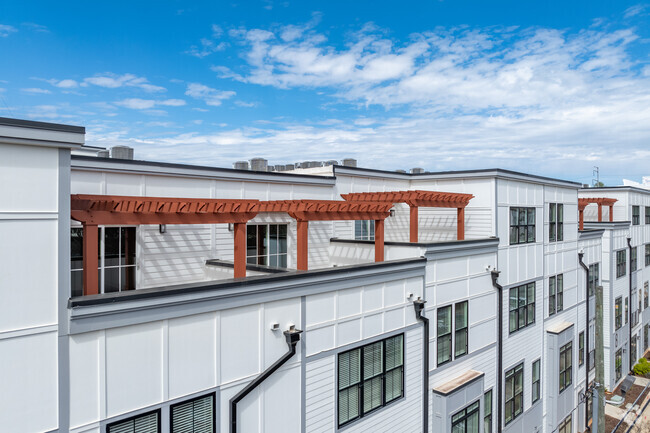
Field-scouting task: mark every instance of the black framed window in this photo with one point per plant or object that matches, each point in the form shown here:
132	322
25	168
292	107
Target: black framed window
444	335
594	278
522	225
618	312
364	230
194	416
646	291
370	377
536	382
266	244
555	294
466	420
566	365
627	308
636	215
581	348
647	214
566	426
556	222
460	329
621	259
145	423
647	254
522	306
116	258
618	364
514	393
633	261
487	412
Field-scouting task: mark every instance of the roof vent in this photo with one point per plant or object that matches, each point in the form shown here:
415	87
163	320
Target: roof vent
349	162
417	170
240	165
122	152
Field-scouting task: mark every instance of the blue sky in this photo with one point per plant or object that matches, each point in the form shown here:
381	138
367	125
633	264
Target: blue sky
551	88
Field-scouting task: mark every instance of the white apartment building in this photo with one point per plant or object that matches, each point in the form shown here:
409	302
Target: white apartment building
171	298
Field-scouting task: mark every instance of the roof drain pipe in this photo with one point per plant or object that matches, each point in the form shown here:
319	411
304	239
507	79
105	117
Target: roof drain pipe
418	304
586	268
629	310
293	336
499	287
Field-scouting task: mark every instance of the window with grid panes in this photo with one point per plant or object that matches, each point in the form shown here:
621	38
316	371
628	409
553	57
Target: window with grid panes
620	263
266	244
460	333
444	335
555	294
537	383
466	420
581	348
370	377
647	254
116	258
647	214
566	365
618	364
193	416
364	230
594	278
487	412
514	393
633	261
556	222
145	423
522	225
618	312
522	306
627	308
636	216
566	426
646	293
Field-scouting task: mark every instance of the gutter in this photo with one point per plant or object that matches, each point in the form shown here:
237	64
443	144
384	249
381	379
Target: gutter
629	310
292	336
586	268
499	287
418	304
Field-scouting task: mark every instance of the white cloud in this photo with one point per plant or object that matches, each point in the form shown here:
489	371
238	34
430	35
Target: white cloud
208	46
6	30
37	27
146	104
114	81
207	94
66	84
634	10
36	90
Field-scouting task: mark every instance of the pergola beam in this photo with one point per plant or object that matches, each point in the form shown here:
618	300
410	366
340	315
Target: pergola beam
600	201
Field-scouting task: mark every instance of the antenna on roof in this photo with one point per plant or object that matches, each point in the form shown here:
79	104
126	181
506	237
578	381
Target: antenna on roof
595	181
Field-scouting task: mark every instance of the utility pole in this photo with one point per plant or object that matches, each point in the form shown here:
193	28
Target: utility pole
599	392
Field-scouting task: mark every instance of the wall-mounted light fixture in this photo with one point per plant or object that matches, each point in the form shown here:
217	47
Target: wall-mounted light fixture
162	228
231	227
392	212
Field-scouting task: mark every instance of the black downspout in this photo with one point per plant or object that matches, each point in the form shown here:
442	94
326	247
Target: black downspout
586	268
292	336
418	304
495	275
629	310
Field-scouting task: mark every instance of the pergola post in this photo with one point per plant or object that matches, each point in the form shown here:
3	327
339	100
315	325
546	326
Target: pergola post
600	212
413	224
303	248
460	224
379	240
581	219
90	259
240	250
611	212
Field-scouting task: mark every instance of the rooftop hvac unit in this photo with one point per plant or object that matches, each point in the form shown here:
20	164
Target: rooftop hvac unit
288	167
241	165
103	154
349	162
417	170
279	167
122	152
400	171
259	164
330	162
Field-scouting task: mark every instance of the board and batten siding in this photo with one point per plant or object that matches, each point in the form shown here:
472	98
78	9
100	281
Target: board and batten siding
402	415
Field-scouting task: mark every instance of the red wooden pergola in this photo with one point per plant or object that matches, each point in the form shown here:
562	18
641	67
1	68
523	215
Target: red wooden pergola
95	210
600	201
416	199
304	211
